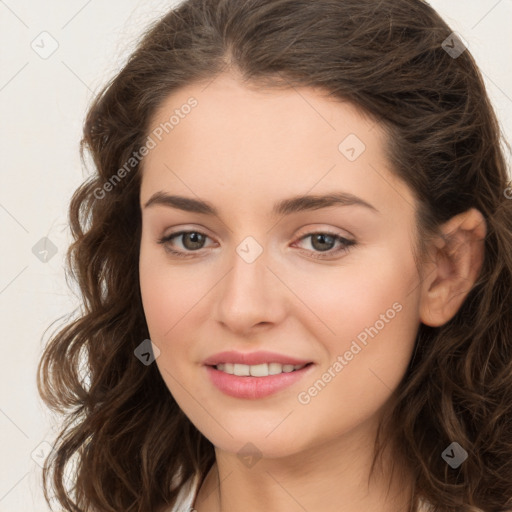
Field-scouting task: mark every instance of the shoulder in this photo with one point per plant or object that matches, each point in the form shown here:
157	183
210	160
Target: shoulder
186	496
425	506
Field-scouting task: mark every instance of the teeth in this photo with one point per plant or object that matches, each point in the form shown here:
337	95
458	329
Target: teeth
257	370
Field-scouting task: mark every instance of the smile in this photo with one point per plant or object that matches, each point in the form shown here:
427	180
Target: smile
258	370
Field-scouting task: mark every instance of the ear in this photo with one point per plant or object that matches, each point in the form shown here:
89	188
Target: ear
455	259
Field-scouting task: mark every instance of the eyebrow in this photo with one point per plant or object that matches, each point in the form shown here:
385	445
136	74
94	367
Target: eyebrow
284	207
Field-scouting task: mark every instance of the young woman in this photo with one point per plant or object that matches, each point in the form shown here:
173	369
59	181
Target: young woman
295	256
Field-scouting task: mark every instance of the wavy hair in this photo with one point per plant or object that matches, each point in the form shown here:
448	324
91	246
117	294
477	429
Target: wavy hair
133	446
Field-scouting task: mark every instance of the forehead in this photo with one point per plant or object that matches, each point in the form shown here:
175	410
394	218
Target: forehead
271	142
250	115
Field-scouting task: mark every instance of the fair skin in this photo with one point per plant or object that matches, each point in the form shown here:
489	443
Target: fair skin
243	150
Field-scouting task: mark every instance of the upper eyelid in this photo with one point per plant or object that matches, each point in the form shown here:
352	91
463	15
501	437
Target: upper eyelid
310	231
299	237
328	231
181	232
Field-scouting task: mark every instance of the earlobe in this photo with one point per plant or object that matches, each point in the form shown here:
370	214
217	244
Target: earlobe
456	258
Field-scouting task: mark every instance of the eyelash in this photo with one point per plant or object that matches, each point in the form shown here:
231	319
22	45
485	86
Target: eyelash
346	244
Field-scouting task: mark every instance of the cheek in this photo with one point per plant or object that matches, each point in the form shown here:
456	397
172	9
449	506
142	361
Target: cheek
157	297
169	292
369	325
172	298
165	300
349	298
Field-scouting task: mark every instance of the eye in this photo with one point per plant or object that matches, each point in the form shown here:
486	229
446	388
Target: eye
191	241
323	242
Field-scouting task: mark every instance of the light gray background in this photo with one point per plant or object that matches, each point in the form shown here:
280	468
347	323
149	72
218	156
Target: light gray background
43	102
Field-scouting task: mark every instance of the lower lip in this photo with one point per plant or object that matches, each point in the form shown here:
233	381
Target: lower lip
254	387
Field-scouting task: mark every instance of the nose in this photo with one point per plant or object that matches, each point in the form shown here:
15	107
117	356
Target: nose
250	297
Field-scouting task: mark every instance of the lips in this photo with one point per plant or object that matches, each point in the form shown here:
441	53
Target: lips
253	358
251	387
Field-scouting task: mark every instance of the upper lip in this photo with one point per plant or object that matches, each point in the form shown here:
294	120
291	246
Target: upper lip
252	358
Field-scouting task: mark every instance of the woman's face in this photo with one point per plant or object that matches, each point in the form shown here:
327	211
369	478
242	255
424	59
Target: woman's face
267	272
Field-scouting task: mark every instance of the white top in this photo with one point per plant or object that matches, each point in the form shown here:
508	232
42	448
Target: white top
187	496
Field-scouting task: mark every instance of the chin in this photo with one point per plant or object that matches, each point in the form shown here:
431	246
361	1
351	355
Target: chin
255	442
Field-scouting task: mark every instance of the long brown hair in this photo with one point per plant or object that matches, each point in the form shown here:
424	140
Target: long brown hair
133	445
